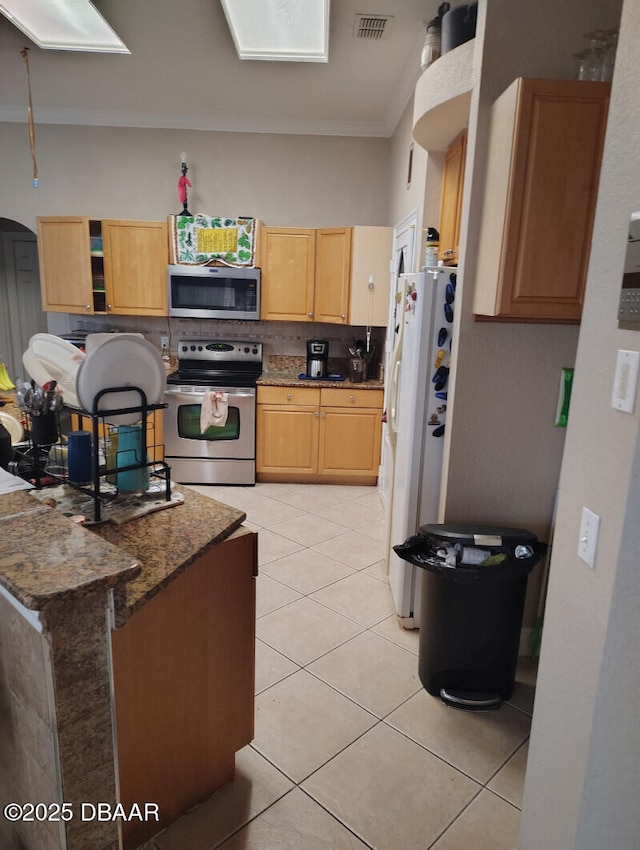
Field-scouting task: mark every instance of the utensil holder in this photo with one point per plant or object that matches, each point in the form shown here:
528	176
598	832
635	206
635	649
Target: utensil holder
44	429
357	370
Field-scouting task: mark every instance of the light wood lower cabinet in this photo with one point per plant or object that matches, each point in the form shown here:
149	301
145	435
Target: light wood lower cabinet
318	434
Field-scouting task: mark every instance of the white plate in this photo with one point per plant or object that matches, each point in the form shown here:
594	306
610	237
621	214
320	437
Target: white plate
121	362
12	425
94	341
51	358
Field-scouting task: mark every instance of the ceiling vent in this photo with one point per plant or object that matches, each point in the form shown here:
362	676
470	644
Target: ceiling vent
372	27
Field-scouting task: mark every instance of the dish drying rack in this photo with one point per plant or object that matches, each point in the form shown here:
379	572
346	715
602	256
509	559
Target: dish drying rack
46	467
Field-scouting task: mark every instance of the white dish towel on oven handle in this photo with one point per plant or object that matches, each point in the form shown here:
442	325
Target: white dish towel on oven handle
214	410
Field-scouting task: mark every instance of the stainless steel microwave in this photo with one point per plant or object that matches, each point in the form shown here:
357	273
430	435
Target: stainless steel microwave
214	292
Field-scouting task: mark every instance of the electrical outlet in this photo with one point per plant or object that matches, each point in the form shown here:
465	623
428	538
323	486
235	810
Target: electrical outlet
588	539
164	343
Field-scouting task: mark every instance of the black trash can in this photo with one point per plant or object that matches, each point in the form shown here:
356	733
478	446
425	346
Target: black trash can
472	600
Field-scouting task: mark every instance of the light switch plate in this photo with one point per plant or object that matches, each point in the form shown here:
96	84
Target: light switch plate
588	539
626	380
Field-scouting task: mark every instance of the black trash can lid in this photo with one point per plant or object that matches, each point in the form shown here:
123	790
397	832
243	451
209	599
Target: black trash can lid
476	534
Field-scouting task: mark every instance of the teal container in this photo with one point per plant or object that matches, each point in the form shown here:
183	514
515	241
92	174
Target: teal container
129	453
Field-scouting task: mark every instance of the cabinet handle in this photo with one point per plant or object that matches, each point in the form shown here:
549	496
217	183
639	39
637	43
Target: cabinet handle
310	315
288	396
352	398
108	306
88	307
342	316
316	413
322	415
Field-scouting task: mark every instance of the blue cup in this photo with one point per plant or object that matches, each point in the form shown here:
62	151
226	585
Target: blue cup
79	457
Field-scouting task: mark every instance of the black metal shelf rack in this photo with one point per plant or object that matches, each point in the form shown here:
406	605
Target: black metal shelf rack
34	461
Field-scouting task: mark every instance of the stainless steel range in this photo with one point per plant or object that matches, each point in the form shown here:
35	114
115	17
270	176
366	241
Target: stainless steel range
221	454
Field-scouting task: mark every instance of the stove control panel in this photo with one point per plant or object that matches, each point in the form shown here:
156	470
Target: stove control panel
217	350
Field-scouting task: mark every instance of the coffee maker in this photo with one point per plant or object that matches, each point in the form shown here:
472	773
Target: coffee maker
317	358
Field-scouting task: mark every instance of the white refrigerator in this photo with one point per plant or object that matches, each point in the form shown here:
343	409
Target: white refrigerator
417	395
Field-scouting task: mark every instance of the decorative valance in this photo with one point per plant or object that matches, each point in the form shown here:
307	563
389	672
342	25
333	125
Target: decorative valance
200	240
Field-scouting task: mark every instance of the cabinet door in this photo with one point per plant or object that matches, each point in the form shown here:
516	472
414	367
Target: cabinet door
371	251
65	264
287	438
349	441
451	200
545	147
333	275
136	254
287	258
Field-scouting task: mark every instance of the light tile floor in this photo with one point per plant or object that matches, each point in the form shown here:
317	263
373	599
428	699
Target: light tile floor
350	751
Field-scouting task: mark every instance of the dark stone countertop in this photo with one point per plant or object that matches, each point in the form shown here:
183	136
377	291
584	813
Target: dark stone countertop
44	556
289	378
166	542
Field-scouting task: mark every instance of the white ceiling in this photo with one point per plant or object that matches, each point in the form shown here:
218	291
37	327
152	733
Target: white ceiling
183	73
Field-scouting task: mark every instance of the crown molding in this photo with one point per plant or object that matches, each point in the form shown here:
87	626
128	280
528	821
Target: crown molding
166	121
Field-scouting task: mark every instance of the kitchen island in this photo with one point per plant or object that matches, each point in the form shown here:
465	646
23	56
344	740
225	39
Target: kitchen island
126	667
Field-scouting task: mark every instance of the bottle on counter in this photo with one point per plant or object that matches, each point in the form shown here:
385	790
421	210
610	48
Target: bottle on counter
431	249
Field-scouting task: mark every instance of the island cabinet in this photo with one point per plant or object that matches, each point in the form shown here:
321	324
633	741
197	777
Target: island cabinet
126	666
183	671
109	266
318	434
451	200
545	146
335	275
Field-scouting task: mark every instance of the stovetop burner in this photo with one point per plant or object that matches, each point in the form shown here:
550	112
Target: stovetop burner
218	363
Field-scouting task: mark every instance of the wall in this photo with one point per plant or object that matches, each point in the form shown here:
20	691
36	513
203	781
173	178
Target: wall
423	192
503	449
110	172
305	181
582	785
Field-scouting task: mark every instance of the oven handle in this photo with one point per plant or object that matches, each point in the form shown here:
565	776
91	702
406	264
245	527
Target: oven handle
189	395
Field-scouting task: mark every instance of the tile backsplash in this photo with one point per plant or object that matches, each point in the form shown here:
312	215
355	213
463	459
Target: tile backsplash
278	338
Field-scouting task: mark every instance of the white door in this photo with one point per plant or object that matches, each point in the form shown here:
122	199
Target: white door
21	314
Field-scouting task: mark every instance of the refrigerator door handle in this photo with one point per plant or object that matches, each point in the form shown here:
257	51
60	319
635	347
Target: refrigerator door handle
395	383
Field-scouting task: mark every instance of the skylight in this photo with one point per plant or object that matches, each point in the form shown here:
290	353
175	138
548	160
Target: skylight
63	25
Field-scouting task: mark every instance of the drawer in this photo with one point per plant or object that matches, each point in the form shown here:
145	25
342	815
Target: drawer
289	395
352	398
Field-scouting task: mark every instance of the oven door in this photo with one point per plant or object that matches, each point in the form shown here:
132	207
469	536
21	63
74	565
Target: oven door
236	440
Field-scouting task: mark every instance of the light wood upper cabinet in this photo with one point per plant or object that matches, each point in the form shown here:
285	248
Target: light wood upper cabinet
136	257
288	262
323	275
109	266
451	200
333	275
545	147
65	264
